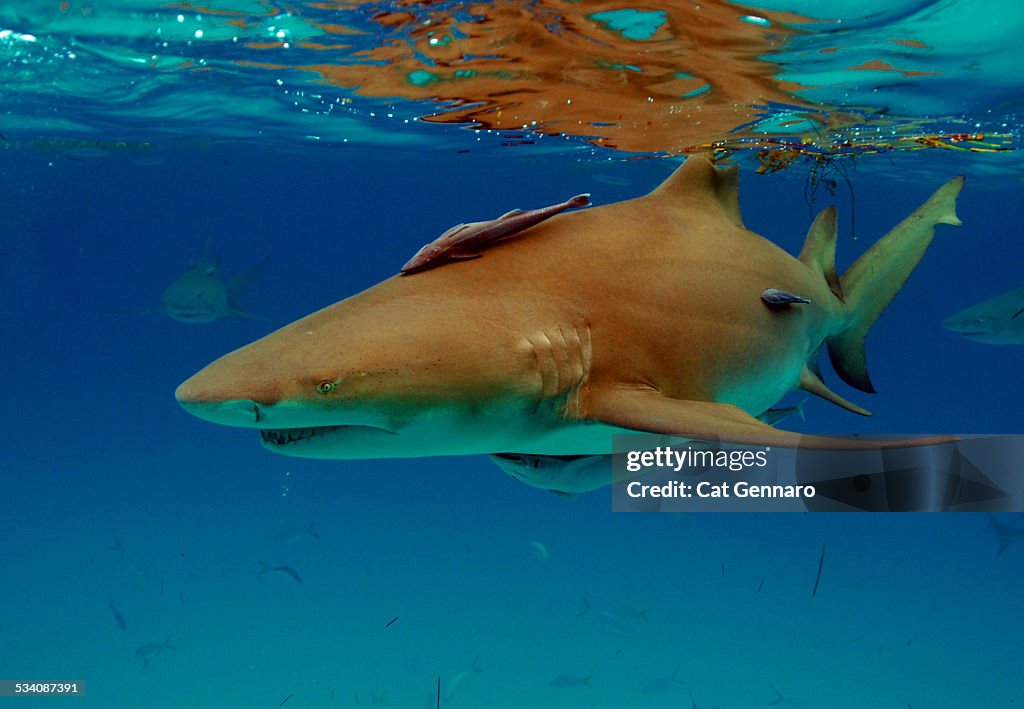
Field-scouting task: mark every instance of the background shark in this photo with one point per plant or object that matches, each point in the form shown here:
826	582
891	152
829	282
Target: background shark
199	295
997	321
644	315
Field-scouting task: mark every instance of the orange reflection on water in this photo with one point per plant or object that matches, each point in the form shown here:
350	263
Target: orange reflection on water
879	65
665	77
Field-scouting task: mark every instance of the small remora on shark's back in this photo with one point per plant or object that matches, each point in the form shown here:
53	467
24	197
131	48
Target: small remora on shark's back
581	326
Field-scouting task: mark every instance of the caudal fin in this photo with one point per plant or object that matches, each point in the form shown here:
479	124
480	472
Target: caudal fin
870	284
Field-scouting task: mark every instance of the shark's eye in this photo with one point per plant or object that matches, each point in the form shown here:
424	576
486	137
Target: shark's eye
325	387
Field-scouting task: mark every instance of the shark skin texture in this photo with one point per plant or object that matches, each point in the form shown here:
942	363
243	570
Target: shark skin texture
644	315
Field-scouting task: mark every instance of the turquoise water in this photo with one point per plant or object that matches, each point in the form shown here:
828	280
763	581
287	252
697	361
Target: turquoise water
116	173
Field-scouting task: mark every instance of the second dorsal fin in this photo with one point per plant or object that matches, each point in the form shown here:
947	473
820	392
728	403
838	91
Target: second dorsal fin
819	252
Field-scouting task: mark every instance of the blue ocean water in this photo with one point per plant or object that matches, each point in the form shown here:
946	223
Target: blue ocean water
128	523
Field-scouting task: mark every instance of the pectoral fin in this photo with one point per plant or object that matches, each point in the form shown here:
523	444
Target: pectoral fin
247	316
646	409
811	382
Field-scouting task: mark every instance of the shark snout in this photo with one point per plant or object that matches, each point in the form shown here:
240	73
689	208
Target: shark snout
211	399
234	412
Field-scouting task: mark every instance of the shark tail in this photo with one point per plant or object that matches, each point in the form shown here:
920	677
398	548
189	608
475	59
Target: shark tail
870	284
586	608
675	679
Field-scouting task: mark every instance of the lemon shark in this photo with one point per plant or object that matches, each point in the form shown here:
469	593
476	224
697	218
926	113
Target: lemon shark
997	321
661	314
199	295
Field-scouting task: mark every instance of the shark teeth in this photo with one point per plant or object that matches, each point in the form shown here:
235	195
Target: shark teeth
285	436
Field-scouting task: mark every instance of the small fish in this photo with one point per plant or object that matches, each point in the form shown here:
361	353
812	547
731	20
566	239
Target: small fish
287	570
289	536
1006	534
465	241
567	681
779	698
390	622
458	679
147	160
694	705
662	684
625	619
135	565
118	618
414	664
150	650
85	152
817	579
540	551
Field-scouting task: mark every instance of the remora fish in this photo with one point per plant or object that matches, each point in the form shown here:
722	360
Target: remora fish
465	241
135	565
643	315
997	321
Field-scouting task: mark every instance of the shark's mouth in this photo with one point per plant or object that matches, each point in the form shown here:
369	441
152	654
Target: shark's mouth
277	437
535	460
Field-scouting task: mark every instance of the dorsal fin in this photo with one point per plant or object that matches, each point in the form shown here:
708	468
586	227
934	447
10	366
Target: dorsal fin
819	252
698	178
